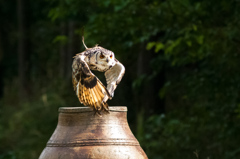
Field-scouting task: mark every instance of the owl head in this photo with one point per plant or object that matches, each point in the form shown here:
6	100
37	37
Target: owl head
102	57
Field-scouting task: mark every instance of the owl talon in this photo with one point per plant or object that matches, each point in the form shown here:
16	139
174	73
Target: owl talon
97	113
107	111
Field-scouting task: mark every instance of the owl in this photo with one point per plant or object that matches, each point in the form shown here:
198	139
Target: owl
89	89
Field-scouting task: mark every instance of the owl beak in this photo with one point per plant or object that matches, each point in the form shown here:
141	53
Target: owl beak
107	60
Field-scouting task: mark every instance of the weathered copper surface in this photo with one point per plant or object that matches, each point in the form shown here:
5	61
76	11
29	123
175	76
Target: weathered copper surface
81	134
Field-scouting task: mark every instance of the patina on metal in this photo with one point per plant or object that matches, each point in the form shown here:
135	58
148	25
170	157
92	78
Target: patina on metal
81	134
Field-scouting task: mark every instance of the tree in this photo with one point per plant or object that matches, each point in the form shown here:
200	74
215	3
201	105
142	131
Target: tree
22	49
181	84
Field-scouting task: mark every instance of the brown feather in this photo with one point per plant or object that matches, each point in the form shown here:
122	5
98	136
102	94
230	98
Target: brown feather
86	95
89	89
99	99
94	100
99	92
88	103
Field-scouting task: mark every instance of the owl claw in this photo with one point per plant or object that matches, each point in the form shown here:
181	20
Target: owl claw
97	113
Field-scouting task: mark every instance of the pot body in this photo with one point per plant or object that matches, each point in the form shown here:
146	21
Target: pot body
81	134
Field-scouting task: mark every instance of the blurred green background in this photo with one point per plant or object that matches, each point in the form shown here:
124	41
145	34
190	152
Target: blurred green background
182	80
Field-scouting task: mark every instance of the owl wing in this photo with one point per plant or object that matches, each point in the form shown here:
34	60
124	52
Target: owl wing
113	78
89	89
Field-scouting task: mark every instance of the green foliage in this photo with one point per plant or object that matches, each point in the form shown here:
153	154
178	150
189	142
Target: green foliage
192	46
205	90
26	127
61	39
185	135
158	46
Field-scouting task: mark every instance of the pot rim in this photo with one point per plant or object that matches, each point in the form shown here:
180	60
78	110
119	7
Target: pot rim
88	109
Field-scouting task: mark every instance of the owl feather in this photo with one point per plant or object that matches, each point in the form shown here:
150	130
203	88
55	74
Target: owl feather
89	89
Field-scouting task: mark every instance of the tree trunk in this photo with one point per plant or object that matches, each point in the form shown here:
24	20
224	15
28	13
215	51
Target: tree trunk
72	46
21	49
67	53
147	98
63	52
144	98
1	65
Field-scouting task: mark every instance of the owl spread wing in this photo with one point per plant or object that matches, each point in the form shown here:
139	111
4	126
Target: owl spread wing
89	89
113	78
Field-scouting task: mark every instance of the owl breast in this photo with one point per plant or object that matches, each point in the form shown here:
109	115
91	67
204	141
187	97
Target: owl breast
96	63
98	67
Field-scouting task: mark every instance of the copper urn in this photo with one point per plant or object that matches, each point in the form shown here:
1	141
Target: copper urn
81	134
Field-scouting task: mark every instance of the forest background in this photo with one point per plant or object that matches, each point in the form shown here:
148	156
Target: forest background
182	80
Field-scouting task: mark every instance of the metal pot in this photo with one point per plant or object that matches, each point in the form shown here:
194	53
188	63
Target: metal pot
81	134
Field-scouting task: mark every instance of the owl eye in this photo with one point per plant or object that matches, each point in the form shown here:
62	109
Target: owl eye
102	56
111	56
